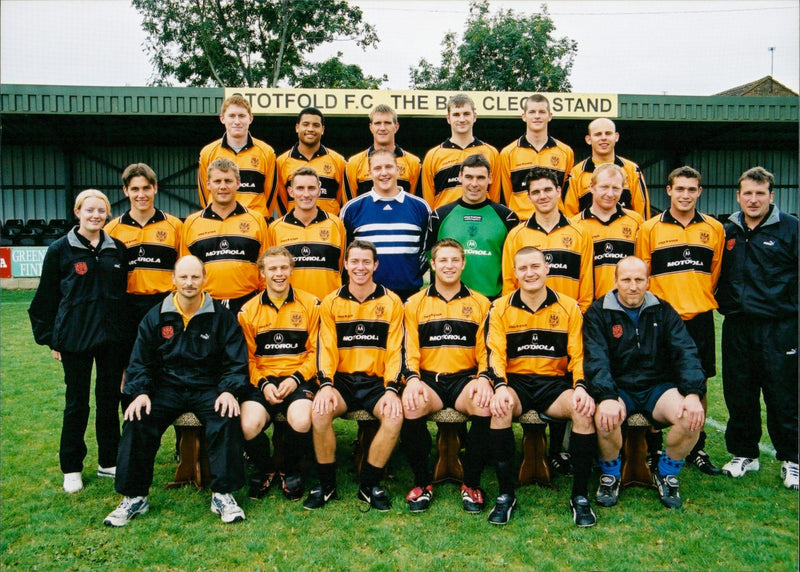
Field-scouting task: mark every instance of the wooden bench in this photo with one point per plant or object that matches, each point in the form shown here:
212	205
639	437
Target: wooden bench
193	466
534	467
635	471
448	466
449	423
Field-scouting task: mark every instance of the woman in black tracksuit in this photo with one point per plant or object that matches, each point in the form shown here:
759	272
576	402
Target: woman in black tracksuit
78	311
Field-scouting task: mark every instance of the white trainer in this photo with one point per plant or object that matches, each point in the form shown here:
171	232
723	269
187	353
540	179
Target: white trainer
127	510
107	472
738	466
73	482
225	506
790	475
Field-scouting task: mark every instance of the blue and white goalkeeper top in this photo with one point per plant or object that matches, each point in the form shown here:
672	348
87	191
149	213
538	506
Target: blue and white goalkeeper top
396	226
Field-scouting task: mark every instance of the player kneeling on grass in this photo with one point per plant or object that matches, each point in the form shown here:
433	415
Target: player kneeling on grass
280	326
444	351
189	355
535	359
640	358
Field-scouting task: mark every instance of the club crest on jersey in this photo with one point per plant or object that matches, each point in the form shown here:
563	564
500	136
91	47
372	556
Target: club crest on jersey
401	170
627	231
328	169
296	318
167	332
704	236
554	320
566	241
324	234
466	311
254	161
379	311
81	268
554	160
730	244
161	235
616	331
244	227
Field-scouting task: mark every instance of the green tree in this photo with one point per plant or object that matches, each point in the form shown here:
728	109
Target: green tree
244	42
334	73
505	52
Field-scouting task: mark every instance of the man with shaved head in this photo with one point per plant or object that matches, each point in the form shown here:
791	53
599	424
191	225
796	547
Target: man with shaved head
639	358
602	138
189	355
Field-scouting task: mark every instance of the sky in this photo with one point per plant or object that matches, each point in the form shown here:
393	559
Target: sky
637	47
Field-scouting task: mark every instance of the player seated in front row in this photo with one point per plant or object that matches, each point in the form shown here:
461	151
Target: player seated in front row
535	359
444	351
280	326
360	342
640	358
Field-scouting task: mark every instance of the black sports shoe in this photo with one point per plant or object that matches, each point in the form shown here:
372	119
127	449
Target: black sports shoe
702	461
561	463
419	498
319	497
668	490
292	487
375	497
608	491
473	500
503	509
582	513
260	487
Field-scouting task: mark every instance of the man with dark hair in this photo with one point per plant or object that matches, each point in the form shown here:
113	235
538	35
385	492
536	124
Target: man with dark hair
535	360
602	138
683	250
315	237
443	353
228	238
567	247
478	223
535	148
640	358
612	228
383	125
280	327
359	367
440	183
190	355
395	221
310	152
757	294
255	159
152	242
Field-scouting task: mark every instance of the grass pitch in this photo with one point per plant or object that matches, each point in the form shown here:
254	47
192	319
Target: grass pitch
725	524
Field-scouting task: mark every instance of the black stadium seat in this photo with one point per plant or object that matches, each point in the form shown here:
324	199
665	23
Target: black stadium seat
13	227
37	225
59	225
